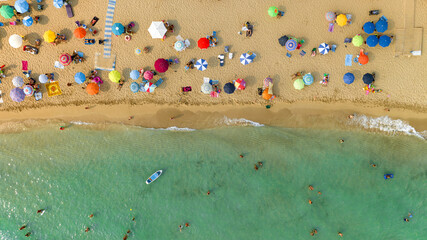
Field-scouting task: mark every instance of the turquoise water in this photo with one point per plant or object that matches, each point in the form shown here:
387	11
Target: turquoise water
80	171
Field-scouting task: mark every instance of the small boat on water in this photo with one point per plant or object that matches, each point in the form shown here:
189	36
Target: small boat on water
153	177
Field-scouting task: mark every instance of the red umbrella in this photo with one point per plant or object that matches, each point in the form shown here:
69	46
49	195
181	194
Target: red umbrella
203	43
65	59
363	58
161	65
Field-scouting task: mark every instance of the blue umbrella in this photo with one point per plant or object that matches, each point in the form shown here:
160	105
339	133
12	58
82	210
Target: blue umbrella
348	78
369	27
372	40
324	48
201	64
27	21
245	58
291	45
381	26
21	6
134	87
384	41
79	78
17	95
118	29
308	79
134	74
58	3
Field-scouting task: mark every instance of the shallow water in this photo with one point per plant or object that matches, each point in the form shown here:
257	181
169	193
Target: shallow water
80	171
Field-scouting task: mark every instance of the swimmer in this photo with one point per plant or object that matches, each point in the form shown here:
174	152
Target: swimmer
61	128
23	227
320	193
351	116
255	167
209	192
28	234
130	117
133	219
172	118
341	140
340	234
180	228
373	165
41	211
187	224
87	229
405	219
128	231
310	202
125	237
410	215
310	187
241	156
260	164
91	216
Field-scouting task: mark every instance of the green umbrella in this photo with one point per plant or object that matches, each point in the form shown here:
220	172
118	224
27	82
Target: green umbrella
114	76
273	11
357	40
6	11
299	84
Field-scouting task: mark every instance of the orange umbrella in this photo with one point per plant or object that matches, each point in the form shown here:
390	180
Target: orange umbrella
265	95
363	58
79	32
92	88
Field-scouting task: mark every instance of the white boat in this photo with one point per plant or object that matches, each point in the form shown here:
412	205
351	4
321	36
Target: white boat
153	177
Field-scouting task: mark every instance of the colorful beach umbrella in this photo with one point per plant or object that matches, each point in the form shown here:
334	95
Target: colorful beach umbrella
330	16
27	21
28	90
245	58
118	29
58	3
7	11
114	76
299	84
348	78
161	65
357	40
134	74
134	87
138	51
267	82
273	11
381	26
157	29
65	59
363	58
43	78
229	88
341	20
79	78
372	40
17	94
21	6
179	46
79	32
384	41
15	41
49	36
92	88
206	88
18	81
150	87
369	27
291	45
201	64
240	84
203	43
368	78
308	79
324	48
148	75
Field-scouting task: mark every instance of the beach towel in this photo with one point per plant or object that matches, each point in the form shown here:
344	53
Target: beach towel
206	79
38	95
58	65
1	97
348	59
331	27
24	66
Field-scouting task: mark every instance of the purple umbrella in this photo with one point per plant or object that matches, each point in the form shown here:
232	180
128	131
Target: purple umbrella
17	95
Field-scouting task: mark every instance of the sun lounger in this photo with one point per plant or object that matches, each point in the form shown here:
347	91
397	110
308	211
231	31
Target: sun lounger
160	81
331	27
69	10
333	48
213	82
206	79
1	97
230	55
347	40
94	21
226	49
221	60
38	96
89	41
348	59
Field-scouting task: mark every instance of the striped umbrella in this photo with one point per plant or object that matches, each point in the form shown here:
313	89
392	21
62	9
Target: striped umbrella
179	46
148	75
17	95
308	79
134	87
384	41
330	16
65	59
43	78
27	21
291	45
245	58
201	64
118	29
324	48
134	74
79	78
149	87
28	90
372	41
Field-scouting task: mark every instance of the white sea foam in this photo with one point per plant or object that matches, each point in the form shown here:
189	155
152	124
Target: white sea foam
386	124
241	122
174	129
81	123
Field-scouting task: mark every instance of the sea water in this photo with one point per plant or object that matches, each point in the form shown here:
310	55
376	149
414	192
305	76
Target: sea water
84	170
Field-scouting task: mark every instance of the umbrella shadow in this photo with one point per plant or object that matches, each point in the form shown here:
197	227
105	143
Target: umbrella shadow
163	85
276	82
32	37
175	66
193	43
213	61
3	34
317	76
44	20
8	68
176	29
67	33
219	39
106	86
135	29
126	74
74	3
357	75
250	81
371	56
391	25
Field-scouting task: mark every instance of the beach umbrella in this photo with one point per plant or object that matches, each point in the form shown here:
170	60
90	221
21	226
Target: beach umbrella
65	59
203	43
207	88
148	75
368	78
372	40
43	78
17	94
357	40
118	29
92	88
381	26
138	51
15	41
201	64
369	27
21	6
229	88
6	11
79	32
149	87
273	11
363	58
299	84
179	46
18	81
308	79
27	21
161	65
134	74
114	76
266	95
79	78
240	84
245	58
157	29
291	45
341	20
330	16
58	3
28	90
324	48
267	82
49	36
384	41
348	78
283	40
134	87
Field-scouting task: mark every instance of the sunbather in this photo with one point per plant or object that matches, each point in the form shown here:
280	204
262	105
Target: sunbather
121	82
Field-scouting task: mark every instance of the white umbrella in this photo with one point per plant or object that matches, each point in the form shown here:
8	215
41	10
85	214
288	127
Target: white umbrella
15	41
17	81
43	78
157	29
206	88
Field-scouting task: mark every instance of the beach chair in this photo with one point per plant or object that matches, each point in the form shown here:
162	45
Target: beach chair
333	48
331	27
38	96
221	60
230	55
160	81
94	21
302	53
226	49
89	41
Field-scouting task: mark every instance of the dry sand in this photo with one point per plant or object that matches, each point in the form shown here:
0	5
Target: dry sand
402	79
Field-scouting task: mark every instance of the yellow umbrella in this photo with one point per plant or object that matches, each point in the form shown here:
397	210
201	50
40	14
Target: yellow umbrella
341	20
114	76
49	36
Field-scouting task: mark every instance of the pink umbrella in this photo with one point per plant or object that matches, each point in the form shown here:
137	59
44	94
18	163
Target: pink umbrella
98	80
148	75
65	59
267	82
161	65
149	87
240	84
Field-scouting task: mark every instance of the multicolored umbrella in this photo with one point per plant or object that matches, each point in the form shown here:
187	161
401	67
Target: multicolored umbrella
49	36
118	29
330	16
308	79
157	29
240	84
384	41
357	40
79	32
291	45
17	94
79	78
18	81
203	43
229	88
341	20
58	3
179	46
299	84
134	74
368	78
369	27
149	87
21	6
372	40
206	88
348	78
114	76
138	51
161	65
7	11
201	64
148	75
273	11
27	21
267	82
15	41
381	26
43	78
324	48
65	59
28	90
92	88
134	87
245	58
266	95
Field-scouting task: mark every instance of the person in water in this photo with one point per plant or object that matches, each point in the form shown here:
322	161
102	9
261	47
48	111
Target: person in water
28	234
241	156
180	228
41	211
91	216
340	234
209	192
187	224
341	140
310	202
87	229
373	165
23	227
260	164
310	187
255	167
